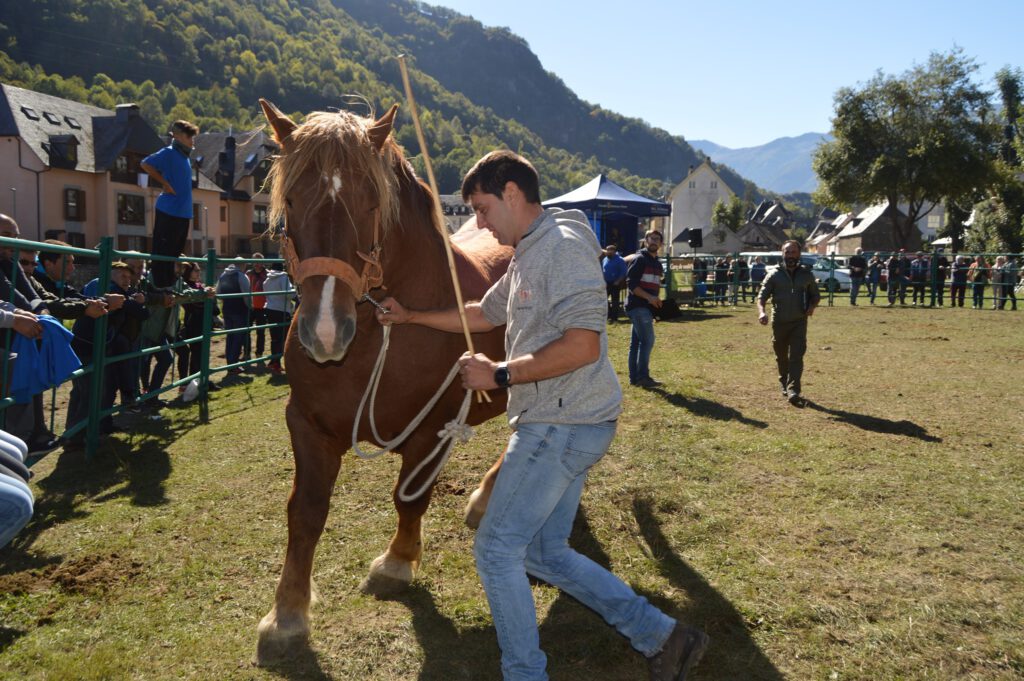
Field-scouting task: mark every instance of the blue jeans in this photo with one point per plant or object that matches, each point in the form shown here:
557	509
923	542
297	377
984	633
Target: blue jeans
641	343
855	285
234	342
526	530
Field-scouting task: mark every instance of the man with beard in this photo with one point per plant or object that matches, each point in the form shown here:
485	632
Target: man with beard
643	281
794	294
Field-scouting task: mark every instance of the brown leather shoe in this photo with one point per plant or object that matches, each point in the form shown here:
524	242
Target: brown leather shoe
681	653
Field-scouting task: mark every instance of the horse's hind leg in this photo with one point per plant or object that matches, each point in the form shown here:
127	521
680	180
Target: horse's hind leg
477	505
286	627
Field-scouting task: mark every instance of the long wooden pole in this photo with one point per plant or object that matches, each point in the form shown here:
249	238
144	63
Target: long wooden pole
481	395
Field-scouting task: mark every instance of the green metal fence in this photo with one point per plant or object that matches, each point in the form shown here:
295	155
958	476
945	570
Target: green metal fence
105	255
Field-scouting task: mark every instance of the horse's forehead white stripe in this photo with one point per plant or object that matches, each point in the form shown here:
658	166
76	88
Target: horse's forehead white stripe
326	327
334	182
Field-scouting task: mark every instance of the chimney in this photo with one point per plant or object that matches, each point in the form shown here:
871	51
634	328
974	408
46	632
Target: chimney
226	165
126	112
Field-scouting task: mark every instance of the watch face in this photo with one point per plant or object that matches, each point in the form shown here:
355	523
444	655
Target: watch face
501	377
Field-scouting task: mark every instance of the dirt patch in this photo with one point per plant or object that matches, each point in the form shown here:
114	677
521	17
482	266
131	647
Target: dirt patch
83	575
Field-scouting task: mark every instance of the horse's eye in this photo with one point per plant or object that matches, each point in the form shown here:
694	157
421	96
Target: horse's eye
288	202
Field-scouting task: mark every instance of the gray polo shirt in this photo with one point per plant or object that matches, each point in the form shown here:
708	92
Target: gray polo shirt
554	283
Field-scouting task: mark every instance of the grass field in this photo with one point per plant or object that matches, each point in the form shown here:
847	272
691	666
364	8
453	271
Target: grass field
875	534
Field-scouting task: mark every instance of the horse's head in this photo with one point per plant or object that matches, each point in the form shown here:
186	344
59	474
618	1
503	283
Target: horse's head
335	188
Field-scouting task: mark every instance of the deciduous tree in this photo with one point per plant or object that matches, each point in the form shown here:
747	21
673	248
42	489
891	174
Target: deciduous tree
912	140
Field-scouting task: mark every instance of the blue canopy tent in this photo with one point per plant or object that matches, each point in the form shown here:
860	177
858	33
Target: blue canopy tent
614	212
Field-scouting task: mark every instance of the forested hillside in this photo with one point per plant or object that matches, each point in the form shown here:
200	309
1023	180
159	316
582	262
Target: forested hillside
209	61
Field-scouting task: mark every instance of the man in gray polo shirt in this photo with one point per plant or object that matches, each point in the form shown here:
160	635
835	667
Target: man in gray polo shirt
564	399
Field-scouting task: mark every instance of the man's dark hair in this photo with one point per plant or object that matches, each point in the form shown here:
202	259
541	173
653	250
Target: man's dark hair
52	256
185	127
493	171
795	243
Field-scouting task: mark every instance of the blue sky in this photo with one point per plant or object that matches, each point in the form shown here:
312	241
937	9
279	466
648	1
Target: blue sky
743	73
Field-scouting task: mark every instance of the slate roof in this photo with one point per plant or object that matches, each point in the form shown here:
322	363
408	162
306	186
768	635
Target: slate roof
866	218
251	148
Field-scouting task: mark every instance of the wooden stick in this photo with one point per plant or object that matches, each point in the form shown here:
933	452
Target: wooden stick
481	395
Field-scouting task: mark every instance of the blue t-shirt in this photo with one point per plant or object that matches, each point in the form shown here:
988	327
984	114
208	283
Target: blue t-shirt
177	170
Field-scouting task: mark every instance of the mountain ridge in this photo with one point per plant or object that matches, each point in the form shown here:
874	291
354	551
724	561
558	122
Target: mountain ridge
782	165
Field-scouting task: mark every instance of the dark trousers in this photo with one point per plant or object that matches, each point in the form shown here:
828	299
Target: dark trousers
259	317
189	355
153	379
78	401
277	333
918	291
614	301
169	236
235	341
898	286
122	376
789	340
978	292
957	292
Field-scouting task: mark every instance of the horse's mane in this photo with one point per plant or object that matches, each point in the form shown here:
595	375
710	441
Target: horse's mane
329	142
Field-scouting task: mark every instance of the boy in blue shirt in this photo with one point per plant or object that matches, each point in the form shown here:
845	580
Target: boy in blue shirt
171	168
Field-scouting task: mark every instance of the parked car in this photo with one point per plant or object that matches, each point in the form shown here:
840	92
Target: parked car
830	277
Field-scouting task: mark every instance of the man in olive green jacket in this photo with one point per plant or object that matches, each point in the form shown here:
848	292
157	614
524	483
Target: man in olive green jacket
794	294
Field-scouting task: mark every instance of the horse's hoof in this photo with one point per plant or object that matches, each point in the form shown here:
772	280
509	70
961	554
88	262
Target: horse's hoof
387	576
475	509
279	642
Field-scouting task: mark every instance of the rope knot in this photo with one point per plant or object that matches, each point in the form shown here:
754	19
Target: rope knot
456	431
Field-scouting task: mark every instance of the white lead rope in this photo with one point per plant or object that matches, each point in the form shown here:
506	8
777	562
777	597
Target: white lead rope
455	429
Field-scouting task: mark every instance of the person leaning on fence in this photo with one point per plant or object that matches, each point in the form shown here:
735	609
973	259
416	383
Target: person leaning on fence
257	274
958	281
161	328
277	281
978	275
794	295
236	310
170	167
23	420
52	276
193	305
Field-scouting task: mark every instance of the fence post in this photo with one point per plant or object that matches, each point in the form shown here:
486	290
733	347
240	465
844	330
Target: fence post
99	351
204	361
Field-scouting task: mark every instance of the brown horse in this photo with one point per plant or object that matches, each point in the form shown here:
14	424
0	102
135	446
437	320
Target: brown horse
357	218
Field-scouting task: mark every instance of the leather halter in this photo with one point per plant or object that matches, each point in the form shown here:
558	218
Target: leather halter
360	284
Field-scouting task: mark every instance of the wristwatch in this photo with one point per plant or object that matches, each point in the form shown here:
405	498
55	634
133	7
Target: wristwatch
502	376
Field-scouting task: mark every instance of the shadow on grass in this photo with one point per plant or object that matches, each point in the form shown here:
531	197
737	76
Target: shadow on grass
876	424
692	315
8	636
702	407
302	664
578	644
733	653
134	464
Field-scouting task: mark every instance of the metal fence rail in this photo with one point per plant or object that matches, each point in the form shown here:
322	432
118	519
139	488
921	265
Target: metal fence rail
105	254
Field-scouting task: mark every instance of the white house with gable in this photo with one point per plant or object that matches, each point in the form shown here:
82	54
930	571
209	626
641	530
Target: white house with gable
692	201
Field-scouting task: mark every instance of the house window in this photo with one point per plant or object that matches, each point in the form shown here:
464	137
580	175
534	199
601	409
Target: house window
30	113
260	222
133	243
693	184
76	239
73	123
53	118
223	213
74	204
131	209
714	184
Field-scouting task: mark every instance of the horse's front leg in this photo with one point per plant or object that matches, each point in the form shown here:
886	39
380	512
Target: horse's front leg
393	570
477	505
317	460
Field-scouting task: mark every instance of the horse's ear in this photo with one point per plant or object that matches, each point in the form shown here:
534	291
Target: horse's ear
282	125
381	128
